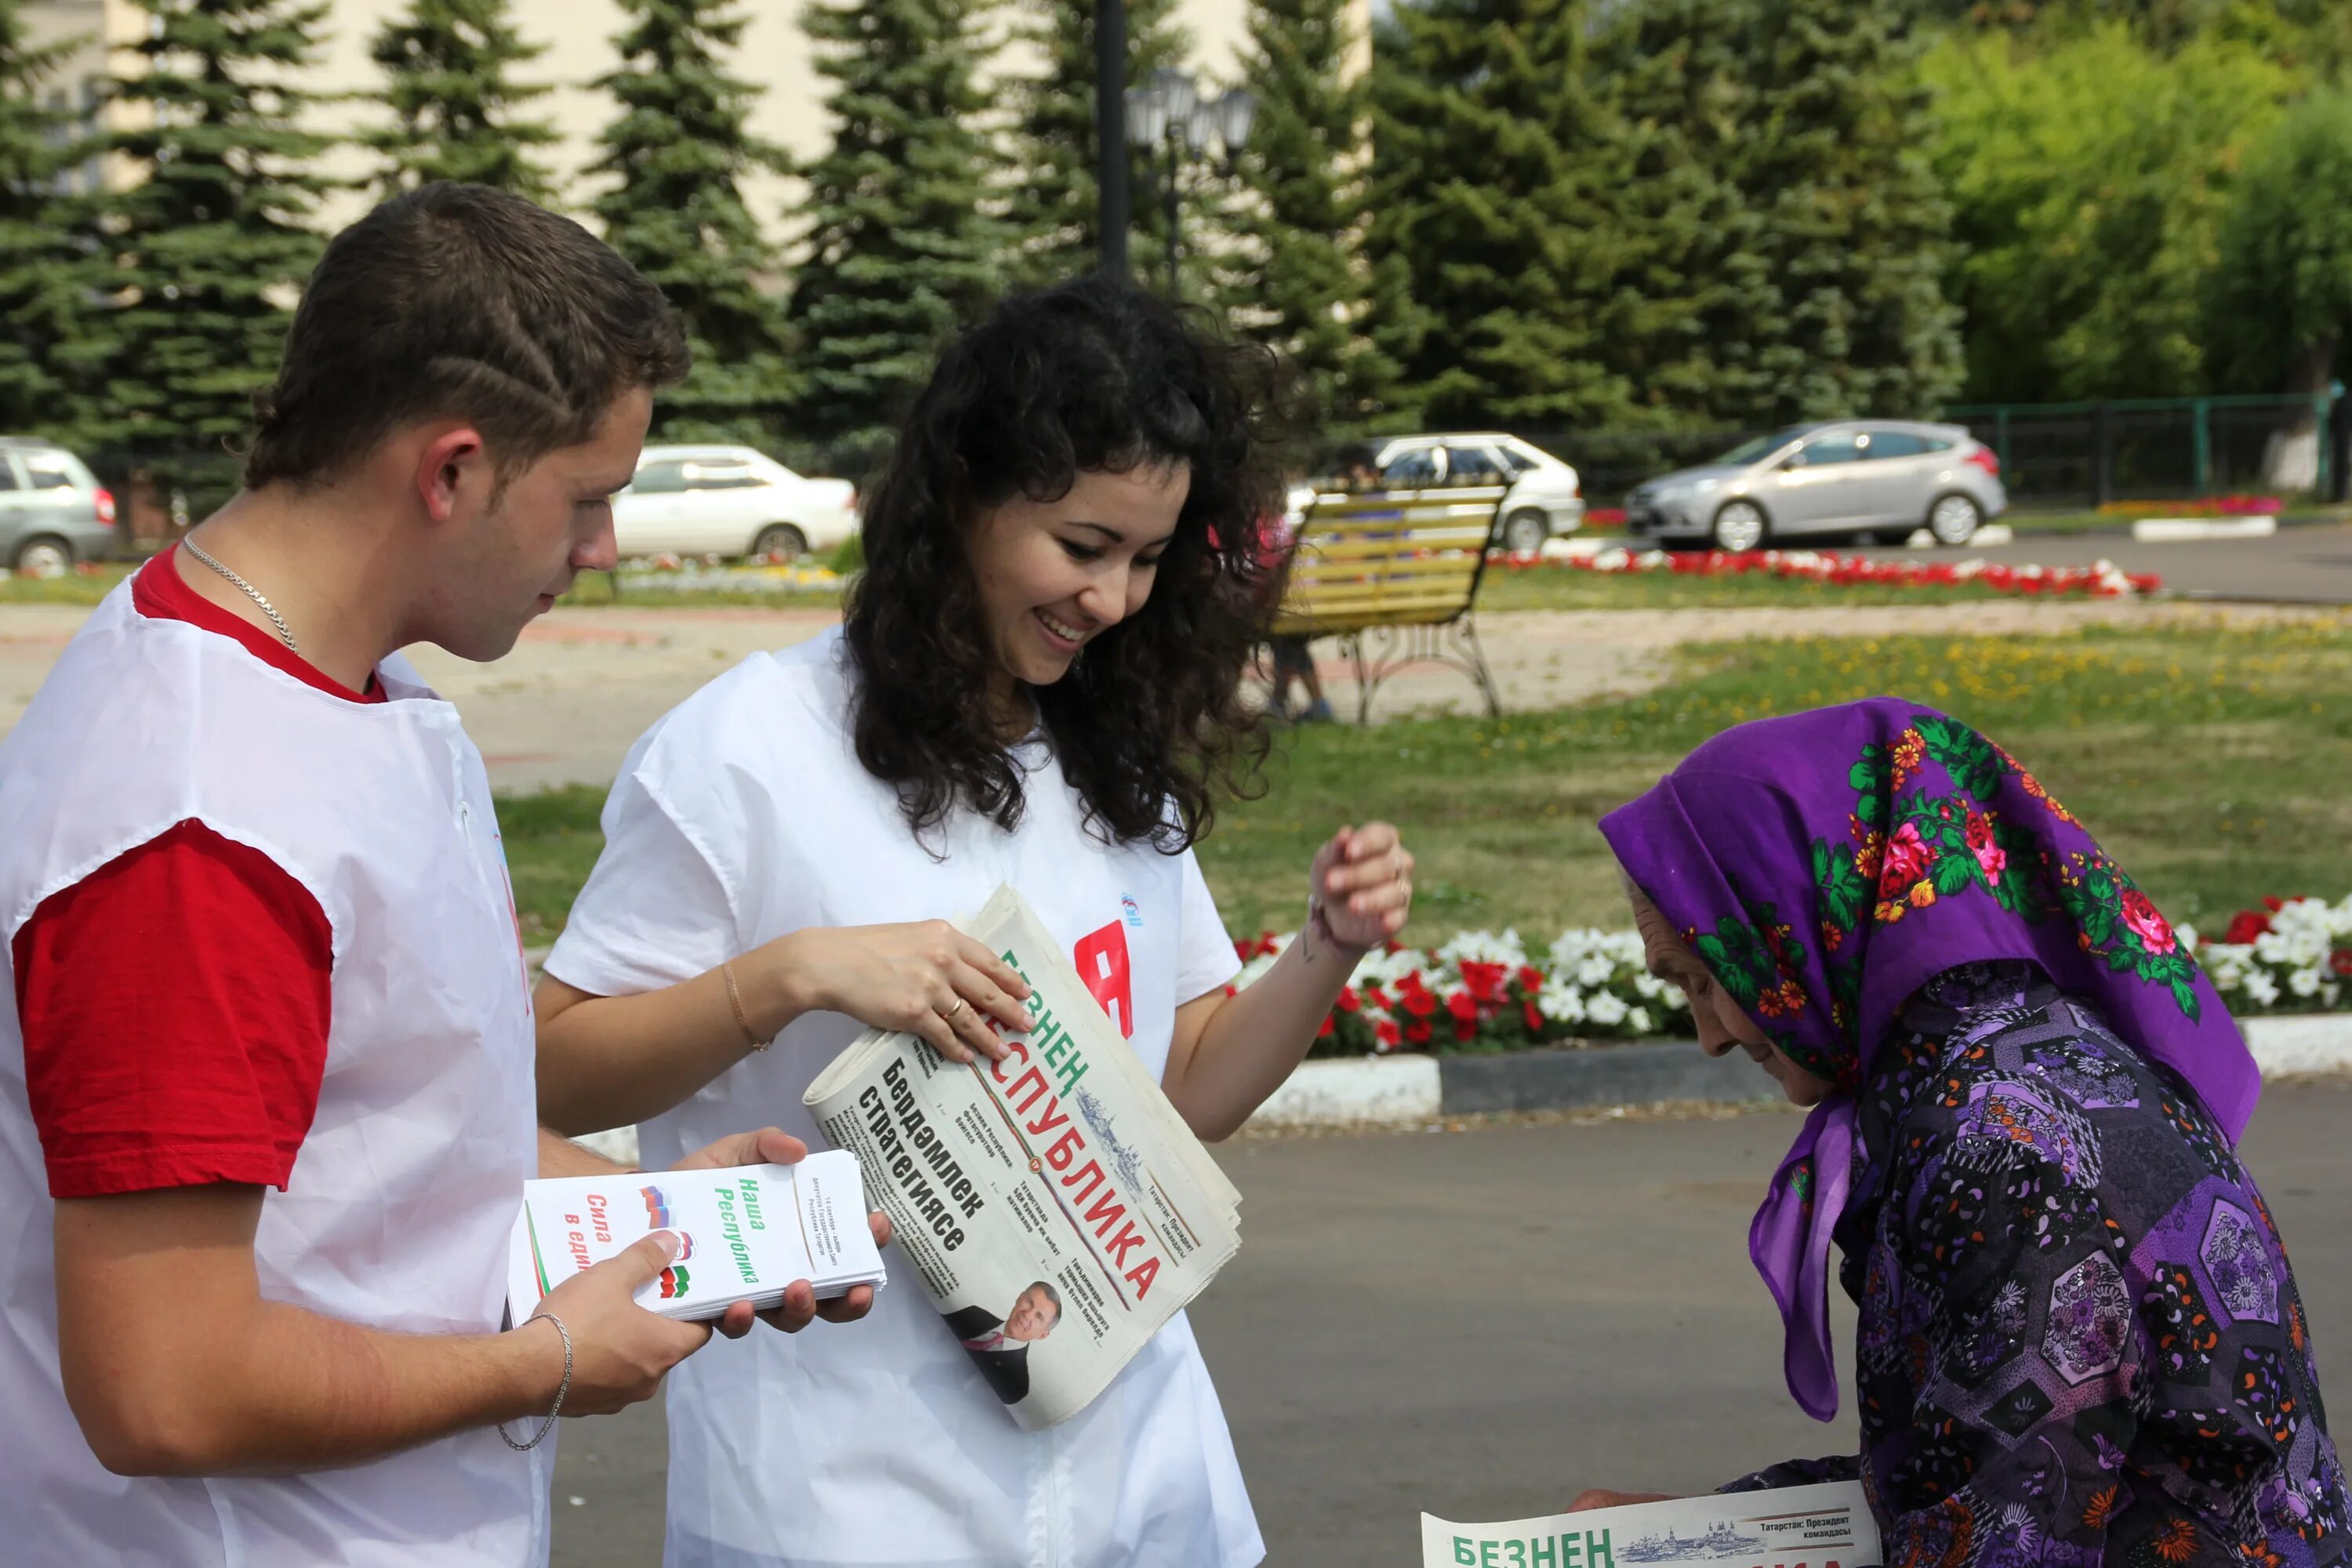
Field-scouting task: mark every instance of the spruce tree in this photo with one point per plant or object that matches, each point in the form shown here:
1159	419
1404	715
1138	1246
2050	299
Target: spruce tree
1854	228
680	151
1295	276
1051	203
1497	173
201	257
900	253
40	274
455	109
1698	284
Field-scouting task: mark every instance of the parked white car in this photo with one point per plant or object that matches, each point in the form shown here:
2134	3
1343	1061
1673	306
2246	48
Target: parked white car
1546	496
728	500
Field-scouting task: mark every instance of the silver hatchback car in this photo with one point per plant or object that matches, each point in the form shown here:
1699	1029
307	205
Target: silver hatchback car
1875	476
53	510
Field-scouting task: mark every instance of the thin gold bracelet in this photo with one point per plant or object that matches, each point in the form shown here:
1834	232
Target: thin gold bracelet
735	1004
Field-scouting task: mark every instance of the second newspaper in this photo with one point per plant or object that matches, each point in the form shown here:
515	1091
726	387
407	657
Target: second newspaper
1057	1208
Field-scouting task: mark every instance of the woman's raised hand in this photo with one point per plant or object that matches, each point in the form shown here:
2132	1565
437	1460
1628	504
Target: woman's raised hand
924	977
1362	884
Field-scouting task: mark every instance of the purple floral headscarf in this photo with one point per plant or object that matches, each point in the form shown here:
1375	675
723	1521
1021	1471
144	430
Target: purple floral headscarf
1825	866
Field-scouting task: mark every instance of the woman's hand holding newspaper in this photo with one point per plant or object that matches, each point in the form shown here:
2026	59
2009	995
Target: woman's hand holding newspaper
774	1146
924	977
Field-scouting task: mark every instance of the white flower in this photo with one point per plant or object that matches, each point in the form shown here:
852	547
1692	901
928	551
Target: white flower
2261	987
1637	1022
1606	1009
2304	981
1559	1003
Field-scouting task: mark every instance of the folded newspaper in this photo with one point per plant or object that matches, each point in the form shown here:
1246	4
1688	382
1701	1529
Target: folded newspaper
1057	1208
746	1233
1825	1526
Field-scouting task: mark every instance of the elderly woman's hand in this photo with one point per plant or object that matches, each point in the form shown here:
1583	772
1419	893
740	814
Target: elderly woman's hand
1362	884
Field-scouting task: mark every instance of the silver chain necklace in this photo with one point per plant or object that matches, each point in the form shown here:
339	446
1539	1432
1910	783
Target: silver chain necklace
250	592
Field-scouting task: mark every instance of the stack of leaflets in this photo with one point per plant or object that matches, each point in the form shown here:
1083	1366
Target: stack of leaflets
745	1233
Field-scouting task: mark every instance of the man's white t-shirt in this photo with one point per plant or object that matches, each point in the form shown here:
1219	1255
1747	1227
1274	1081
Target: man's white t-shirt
742	816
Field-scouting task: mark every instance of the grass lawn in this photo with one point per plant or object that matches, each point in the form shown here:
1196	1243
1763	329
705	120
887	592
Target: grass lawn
1567	588
2211	762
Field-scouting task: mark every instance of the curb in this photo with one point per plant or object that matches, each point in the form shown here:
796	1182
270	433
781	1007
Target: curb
1407	1089
2175	530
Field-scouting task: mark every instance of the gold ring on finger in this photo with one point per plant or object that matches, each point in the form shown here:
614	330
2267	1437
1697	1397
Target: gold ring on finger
955	1012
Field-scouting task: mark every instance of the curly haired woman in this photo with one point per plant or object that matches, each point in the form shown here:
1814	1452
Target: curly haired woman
1039	681
2080	1340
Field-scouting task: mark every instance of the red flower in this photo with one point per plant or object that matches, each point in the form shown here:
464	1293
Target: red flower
1990	856
2340	960
1910	750
1832	937
1387	1033
1466	1032
1485	980
2153	929
2274	904
1376	997
1331	1027
2244	927
1417	1032
1420	1002
1463	1006
1530	977
1535	1016
1349	1001
1908	856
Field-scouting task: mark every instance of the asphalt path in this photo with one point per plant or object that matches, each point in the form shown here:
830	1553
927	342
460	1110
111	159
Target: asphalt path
1480	1323
2309	565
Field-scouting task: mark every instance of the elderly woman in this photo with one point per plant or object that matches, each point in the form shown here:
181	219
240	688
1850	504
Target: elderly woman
2080	1340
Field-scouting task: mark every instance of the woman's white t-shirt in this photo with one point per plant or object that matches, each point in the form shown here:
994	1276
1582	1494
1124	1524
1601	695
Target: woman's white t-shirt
744	814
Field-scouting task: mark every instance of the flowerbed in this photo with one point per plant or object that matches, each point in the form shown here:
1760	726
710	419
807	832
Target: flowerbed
2103	579
708	574
2204	506
1483	993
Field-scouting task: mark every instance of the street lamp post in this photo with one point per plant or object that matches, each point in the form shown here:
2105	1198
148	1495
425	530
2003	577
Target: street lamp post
1110	133
1169	113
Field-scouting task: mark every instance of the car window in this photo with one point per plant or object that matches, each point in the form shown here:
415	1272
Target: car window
721	476
1471	466
1827	451
1516	462
45	472
1897	444
1411	471
1760	447
7	474
659	480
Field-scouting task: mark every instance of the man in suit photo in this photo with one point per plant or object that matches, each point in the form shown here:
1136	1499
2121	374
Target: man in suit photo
1000	1346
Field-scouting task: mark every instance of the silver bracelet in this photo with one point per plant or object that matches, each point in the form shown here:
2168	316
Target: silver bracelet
561	1389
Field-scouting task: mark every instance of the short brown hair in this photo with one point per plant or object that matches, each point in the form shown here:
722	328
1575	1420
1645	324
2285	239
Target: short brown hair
465	301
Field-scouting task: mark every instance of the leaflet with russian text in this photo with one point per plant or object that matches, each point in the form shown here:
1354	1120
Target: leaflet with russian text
745	1233
1055	1207
1825	1526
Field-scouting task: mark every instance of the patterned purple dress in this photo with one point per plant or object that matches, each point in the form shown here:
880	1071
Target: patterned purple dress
2080	1339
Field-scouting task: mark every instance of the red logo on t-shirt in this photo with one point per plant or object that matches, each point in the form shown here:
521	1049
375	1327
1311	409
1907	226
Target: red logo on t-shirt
1102	958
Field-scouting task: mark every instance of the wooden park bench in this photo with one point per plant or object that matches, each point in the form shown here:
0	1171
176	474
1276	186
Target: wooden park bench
1391	574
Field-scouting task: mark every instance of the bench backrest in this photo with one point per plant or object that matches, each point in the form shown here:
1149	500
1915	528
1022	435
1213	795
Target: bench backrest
1389	558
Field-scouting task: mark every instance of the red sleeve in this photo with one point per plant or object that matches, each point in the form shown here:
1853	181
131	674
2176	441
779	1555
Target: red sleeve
174	1005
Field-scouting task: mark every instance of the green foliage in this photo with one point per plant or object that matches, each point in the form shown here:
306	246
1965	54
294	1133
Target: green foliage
1296	277
1854	231
1699	286
2092	179
900	253
456	111
40	273
200	258
680	151
1051	203
2284	287
1496	173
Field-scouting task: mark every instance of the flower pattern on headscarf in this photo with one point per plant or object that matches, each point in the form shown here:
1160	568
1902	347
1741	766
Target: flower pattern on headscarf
1827	865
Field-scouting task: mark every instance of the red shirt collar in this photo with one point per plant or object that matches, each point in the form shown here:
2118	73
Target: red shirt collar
160	592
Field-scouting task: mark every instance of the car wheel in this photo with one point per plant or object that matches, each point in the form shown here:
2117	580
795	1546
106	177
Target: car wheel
1954	520
1741	525
46	556
1524	532
780	539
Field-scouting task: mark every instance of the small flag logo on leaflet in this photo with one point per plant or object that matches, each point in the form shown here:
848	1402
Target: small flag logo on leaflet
674	1283
656	1208
685	1245
1134	913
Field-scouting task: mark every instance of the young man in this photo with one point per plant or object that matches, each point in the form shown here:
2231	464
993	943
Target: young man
266	1095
